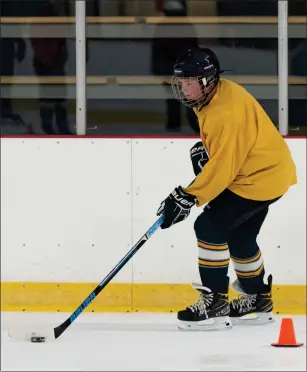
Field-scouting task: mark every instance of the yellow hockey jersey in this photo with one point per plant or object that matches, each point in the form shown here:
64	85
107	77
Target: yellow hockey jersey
247	154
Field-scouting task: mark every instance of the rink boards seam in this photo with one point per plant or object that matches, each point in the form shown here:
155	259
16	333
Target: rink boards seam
126	297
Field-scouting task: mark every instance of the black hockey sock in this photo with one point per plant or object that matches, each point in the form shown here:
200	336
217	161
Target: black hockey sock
213	261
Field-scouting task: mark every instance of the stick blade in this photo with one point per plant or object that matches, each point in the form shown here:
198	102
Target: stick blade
34	334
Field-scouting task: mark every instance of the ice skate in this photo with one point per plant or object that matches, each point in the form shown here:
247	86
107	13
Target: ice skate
211	312
252	309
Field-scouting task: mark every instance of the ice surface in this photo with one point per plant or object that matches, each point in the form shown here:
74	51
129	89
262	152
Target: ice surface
147	342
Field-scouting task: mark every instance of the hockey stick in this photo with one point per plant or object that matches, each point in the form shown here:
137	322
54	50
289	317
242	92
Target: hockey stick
41	336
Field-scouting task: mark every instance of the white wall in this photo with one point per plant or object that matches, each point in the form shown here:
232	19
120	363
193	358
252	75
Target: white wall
71	209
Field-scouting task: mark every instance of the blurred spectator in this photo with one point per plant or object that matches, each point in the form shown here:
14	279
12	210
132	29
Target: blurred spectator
49	59
11	49
165	51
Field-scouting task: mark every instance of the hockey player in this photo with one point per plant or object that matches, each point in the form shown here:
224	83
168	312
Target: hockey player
242	166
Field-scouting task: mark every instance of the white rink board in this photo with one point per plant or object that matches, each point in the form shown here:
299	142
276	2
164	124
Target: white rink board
71	208
62	215
172	252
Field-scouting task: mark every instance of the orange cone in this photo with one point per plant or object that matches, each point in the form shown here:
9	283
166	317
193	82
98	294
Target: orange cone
287	335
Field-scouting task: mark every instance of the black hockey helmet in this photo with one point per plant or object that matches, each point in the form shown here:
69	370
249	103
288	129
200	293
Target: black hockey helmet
201	65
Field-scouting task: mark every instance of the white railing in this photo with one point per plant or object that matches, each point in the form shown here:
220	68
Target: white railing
283	67
81	67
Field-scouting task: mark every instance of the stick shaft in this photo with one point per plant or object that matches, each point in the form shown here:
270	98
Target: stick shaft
62	327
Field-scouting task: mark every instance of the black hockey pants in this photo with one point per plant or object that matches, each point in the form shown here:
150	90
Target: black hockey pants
228	228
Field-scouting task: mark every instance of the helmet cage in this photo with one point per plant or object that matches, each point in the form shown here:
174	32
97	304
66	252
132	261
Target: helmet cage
204	82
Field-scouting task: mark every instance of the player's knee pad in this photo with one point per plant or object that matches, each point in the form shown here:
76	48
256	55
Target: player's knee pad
207	230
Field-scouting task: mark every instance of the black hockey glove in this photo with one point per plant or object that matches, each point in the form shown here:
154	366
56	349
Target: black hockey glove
176	207
199	157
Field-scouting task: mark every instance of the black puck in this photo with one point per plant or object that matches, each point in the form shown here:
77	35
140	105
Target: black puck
38	339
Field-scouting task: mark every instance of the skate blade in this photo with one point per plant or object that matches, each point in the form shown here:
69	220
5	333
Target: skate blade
254	319
215	324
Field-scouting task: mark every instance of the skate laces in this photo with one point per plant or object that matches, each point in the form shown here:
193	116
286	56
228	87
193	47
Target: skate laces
243	302
204	301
